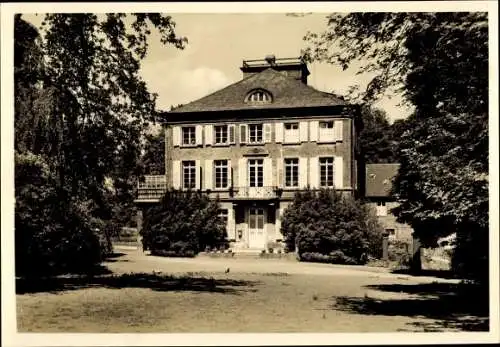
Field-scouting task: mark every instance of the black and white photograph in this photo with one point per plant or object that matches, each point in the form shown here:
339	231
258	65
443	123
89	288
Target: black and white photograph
281	171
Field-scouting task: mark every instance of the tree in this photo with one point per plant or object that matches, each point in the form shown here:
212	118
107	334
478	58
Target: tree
329	224
375	139
153	159
184	223
439	62
94	62
82	107
52	236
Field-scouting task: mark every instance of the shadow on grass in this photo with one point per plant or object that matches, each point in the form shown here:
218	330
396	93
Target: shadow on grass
155	282
446	274
456	306
115	257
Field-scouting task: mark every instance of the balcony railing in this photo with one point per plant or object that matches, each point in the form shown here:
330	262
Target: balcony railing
153	187
255	192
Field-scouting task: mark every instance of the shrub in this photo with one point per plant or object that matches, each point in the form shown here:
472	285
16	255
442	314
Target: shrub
53	235
184	222
327	223
336	257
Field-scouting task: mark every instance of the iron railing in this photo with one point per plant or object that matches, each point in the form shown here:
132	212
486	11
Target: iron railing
255	192
152	188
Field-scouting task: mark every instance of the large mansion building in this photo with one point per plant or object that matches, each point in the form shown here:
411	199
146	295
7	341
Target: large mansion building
255	143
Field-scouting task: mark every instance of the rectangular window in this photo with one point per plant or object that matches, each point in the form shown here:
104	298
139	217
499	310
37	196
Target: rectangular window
256	172
188	136
326	131
188	174
221	134
223	216
255	133
292	132
381	208
221	173
292	172
326	172
390	232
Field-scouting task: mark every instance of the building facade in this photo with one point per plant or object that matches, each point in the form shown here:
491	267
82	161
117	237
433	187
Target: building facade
257	142
378	186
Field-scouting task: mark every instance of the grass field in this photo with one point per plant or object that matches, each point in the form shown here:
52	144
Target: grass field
193	296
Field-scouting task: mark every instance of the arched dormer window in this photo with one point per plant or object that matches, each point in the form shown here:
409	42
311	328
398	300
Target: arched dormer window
259	96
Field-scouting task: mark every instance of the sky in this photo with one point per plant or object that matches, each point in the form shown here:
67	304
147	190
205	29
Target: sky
217	45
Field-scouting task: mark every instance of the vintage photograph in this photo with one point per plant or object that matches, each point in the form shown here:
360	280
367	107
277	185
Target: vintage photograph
293	172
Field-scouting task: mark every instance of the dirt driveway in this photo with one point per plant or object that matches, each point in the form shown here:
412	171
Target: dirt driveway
138	261
156	294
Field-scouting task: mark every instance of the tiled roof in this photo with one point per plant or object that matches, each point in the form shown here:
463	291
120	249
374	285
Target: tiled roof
379	178
286	92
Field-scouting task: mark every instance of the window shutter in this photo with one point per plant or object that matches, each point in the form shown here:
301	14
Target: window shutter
242	172
267	133
277	224
339	173
231	235
314	172
243	133
338	130
303	131
176	174
198	174
279	132
209	178
232	134
176	135
314	125
279	173
302	172
229	174
209	134
268	172
199	135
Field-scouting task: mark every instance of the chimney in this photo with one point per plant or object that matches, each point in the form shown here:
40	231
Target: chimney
292	67
271	59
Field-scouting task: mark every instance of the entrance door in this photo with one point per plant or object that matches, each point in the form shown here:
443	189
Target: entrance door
256	236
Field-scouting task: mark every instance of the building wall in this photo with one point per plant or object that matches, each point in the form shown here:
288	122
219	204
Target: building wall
402	231
276	152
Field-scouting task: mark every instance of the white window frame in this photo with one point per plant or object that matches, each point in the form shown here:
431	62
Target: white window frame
291	165
223	214
255	172
259	96
221	168
381	209
191	135
292	134
326	131
219	131
329	168
253	133
188	174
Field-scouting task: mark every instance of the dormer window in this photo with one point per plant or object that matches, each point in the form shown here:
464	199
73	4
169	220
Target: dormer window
259	96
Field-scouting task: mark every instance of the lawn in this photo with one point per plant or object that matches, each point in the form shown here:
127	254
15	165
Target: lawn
256	301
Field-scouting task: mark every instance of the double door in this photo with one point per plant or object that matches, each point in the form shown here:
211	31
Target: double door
256	227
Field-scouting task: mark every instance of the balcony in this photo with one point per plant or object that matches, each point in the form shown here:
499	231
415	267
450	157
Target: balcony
152	189
258	193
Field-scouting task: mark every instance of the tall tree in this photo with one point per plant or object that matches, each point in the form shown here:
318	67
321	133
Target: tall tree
81	109
153	159
93	61
439	62
376	140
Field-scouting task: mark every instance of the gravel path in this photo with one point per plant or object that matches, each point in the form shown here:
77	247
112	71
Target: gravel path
138	261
